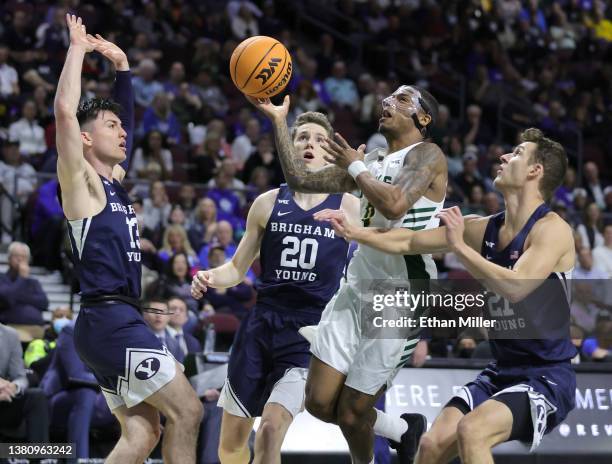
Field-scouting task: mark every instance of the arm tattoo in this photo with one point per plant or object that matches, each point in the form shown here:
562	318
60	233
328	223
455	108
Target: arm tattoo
421	166
329	179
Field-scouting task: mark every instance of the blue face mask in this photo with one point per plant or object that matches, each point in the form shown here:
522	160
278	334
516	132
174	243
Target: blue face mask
59	324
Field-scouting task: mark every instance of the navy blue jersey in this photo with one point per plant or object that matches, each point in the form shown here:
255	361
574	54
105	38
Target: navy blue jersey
302	260
106	247
544	314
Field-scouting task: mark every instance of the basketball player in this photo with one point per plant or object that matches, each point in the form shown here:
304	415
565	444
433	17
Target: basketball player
137	374
404	188
302	264
530	387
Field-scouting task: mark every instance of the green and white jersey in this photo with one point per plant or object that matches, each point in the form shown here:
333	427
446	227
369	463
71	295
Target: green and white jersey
369	263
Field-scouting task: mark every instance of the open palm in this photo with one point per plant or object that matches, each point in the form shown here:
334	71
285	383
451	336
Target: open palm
108	49
78	34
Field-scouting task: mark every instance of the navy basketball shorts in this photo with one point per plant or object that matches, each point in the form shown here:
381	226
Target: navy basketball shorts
268	362
128	360
549	391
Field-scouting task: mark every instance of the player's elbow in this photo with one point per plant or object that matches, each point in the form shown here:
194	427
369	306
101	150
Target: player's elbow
297	184
63	110
393	212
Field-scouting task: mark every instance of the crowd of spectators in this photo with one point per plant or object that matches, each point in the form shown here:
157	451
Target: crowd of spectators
202	153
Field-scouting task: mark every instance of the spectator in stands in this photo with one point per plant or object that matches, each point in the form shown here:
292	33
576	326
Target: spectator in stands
244	24
176	282
9	79
491	204
341	89
142	50
207	157
75	402
564	194
593	184
229	201
475	130
145	85
160	117
231	300
175	241
156	209
608	200
602	254
264	157
176	76
187	201
17	401
226	179
223	238
22	298
28	133
475	198
176	327
259	183
590	229
209	93
18	181
204	225
158	323
599	347
47	227
154	149
178	217
470	175
244	145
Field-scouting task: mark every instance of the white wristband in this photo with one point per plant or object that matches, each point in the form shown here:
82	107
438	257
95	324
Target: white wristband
356	168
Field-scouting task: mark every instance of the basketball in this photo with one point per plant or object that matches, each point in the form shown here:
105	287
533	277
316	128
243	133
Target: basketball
260	67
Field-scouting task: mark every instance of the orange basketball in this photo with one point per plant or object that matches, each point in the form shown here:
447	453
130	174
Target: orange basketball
260	66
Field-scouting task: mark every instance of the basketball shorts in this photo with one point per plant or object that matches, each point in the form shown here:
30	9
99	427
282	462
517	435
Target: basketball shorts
368	364
550	391
268	363
128	360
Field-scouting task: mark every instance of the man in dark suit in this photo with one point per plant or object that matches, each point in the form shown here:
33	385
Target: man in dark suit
74	397
158	322
187	342
17	401
22	298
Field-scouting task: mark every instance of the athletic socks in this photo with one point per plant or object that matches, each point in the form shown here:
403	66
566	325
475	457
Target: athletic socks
388	426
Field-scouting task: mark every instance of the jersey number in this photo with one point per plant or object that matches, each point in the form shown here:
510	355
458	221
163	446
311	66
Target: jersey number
500	307
307	249
133	229
367	215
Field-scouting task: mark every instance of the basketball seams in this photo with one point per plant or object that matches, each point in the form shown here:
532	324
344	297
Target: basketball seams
257	65
245	45
280	74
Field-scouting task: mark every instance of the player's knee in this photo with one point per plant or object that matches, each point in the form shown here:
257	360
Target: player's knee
469	432
189	414
429	449
141	436
319	409
231	451
349	421
270	430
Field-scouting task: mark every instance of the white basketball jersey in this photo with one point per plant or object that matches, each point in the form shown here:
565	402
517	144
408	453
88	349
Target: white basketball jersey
369	263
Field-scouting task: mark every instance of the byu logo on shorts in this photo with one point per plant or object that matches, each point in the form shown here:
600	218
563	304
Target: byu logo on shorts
147	368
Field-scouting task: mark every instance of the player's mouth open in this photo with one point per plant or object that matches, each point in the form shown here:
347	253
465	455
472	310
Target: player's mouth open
308	155
386	114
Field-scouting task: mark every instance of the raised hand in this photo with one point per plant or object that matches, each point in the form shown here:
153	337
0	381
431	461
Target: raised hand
110	51
78	34
200	283
340	153
455	225
272	111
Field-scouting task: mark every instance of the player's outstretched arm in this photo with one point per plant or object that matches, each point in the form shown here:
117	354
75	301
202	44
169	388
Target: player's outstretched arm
329	179
70	160
233	272
543	256
122	94
393	241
